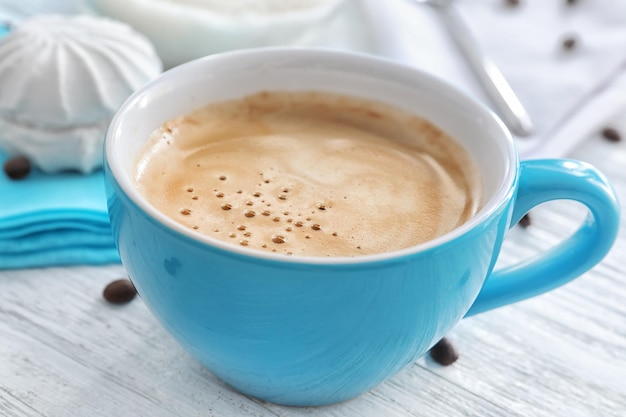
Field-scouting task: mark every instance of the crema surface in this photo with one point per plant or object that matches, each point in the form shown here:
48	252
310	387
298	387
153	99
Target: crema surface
311	174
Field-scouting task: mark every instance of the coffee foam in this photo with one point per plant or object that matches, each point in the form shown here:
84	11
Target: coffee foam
311	174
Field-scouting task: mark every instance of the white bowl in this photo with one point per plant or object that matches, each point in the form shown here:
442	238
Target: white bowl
189	29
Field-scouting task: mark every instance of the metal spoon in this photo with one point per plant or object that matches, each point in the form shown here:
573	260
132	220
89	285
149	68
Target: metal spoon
497	88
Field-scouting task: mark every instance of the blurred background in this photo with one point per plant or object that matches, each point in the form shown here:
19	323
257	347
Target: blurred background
564	59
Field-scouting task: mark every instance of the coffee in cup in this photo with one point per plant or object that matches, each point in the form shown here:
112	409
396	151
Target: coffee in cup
315	330
309	173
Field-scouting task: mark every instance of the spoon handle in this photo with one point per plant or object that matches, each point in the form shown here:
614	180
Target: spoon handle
496	86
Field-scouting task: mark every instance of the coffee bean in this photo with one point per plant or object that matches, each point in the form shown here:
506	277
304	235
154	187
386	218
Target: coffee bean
525	221
444	352
119	291
611	134
17	167
569	42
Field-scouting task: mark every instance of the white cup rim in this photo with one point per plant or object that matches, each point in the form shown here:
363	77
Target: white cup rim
113	147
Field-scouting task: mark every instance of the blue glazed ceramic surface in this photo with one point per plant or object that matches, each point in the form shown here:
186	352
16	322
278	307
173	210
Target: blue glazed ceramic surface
314	331
300	333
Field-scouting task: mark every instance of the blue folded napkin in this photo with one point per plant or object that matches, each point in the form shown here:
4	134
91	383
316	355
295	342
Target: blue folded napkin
59	219
48	220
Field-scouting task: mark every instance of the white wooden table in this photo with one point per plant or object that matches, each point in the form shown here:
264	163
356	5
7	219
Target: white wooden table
65	352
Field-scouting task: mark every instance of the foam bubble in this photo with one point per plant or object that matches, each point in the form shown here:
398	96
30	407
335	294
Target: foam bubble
278	239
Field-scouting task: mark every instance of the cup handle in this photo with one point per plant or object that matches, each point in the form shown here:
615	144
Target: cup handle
546	180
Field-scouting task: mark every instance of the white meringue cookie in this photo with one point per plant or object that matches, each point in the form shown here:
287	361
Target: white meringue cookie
62	78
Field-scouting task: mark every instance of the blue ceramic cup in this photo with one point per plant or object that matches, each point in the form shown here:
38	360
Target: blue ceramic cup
310	331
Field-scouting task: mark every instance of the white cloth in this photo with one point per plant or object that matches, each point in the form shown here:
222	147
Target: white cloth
569	94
